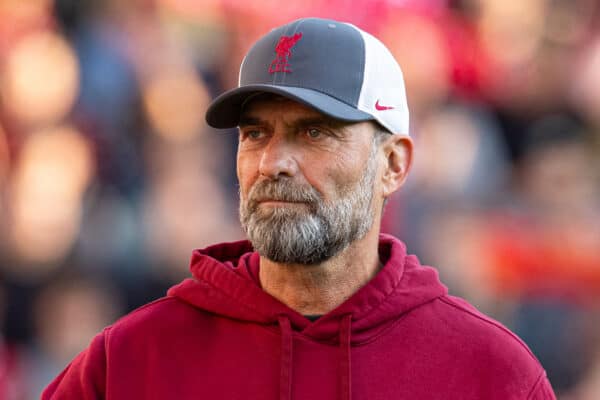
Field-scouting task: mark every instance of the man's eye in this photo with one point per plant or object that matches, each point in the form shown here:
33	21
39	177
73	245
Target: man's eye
252	134
314	133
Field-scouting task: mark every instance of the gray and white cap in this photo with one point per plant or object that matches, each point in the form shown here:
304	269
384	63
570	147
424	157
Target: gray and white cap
331	66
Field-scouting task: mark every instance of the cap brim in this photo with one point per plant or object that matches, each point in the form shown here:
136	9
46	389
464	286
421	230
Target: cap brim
225	110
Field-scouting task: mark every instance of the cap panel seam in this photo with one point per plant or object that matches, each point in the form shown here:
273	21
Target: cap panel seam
357	93
362	101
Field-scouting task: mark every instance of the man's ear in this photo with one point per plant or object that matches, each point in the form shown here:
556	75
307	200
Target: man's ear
398	151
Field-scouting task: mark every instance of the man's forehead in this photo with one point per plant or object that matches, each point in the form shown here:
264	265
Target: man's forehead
262	104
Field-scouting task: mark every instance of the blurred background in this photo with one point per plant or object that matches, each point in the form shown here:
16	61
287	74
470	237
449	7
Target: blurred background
109	176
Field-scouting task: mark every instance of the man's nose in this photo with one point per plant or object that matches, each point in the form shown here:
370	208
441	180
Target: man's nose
278	159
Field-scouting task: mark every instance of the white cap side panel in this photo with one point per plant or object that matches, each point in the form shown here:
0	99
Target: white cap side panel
383	94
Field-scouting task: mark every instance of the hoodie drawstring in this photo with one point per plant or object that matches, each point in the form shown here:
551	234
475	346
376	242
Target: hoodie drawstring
285	378
345	365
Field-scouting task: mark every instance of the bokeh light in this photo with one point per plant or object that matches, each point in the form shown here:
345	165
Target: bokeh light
585	89
21	17
172	216
4	157
45	199
425	63
40	78
443	136
175	102
69	312
511	30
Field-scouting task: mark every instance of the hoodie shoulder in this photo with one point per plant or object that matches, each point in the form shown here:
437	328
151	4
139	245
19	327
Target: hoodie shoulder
477	322
164	313
84	377
500	355
477	353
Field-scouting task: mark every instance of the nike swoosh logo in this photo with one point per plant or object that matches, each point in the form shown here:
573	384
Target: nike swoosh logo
379	107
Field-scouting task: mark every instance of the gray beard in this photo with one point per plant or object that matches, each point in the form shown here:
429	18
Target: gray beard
314	231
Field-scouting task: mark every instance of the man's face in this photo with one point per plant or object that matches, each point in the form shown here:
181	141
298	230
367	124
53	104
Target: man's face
306	181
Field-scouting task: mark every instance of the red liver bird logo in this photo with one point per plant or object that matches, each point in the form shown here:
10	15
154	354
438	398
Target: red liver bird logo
283	49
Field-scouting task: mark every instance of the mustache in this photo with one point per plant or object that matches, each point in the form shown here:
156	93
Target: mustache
281	190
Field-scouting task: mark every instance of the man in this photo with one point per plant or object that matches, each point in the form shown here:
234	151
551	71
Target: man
318	304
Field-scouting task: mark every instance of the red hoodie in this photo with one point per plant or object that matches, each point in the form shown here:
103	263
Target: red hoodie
220	336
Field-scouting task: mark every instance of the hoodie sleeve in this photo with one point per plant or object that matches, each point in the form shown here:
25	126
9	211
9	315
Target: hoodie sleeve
84	378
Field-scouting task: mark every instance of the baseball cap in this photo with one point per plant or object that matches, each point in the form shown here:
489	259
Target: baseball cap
331	66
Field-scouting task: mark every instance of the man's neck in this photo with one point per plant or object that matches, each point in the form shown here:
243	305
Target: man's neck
318	289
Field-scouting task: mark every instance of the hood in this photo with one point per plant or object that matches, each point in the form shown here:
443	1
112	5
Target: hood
225	282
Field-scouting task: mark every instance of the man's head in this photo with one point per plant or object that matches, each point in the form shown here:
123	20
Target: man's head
323	140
